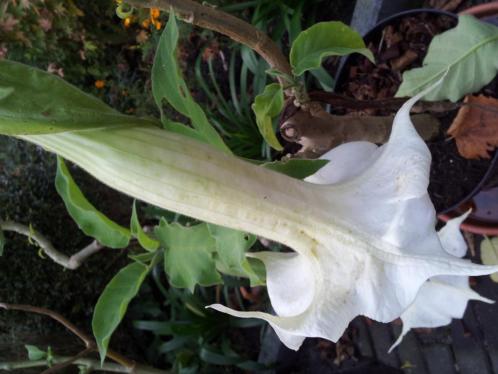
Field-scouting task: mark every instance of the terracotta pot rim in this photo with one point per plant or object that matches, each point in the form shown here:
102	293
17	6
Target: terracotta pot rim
472	225
483	10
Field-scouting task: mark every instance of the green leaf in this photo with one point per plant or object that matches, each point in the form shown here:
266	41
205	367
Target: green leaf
181	129
168	84
267	105
468	54
231	248
113	302
35	353
324	78
87	217
322	40
143	258
54	105
489	254
188	258
296	168
136	230
2	241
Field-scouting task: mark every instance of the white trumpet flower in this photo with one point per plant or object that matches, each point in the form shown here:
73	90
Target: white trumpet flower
380	194
363	246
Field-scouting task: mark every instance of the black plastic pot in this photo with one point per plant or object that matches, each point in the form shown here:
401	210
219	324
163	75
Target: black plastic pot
341	75
472	224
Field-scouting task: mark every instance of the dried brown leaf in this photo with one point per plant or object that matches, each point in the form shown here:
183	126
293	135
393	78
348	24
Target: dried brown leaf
475	128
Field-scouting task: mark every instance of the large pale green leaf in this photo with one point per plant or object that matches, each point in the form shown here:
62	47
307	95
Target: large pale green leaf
113	302
189	254
168	84
87	217
322	40
267	105
296	168
136	230
33	101
468	54
231	248
489	254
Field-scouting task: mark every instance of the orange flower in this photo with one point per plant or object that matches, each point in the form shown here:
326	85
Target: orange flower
99	84
154	13
127	22
158	25
146	23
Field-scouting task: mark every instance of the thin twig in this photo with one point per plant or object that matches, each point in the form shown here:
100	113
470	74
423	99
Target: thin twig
55	316
224	23
60	258
130	365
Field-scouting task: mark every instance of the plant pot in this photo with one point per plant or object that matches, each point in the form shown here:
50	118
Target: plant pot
476	222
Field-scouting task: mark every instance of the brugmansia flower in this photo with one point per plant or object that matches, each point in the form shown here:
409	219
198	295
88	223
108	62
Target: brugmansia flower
379	196
443	297
364	245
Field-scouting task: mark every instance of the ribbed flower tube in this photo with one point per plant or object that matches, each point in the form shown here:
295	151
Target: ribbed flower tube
191	178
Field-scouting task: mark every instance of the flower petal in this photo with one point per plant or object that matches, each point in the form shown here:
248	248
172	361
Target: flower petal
346	161
443	297
394	187
292	341
451	237
346	283
439	300
291	287
288	275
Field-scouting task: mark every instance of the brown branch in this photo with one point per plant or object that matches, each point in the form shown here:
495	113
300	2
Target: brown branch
320	131
89	342
60	258
224	23
55	316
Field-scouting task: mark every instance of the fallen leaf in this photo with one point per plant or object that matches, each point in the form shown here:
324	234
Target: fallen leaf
475	128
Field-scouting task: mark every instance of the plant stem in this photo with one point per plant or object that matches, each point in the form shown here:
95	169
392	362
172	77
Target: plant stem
90	364
89	342
321	131
55	316
60	258
224	23
63	364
